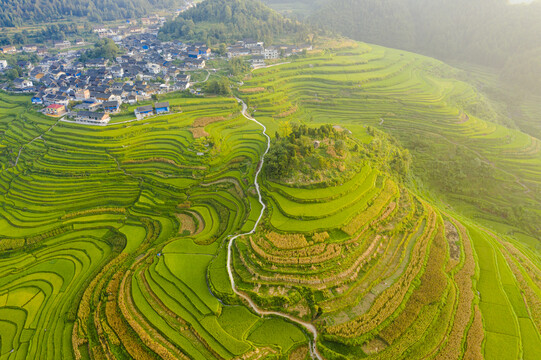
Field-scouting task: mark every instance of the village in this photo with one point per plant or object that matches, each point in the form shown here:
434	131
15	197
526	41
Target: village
93	90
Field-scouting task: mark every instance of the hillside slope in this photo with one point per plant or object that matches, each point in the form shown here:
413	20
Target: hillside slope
225	21
486	32
360	273
20	13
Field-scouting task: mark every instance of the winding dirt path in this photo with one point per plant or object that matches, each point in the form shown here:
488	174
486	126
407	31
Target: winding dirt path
310	327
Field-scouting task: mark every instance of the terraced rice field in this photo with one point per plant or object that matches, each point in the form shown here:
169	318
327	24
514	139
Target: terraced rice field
114	239
374	266
107	235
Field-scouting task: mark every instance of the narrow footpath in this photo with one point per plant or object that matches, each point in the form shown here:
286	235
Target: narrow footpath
309	327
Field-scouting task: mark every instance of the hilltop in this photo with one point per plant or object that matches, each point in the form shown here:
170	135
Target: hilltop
328	155
226	21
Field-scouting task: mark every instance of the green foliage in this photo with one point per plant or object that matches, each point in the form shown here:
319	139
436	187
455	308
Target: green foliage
104	48
523	69
296	149
218	87
225	21
285	129
12	74
301	154
53	32
238	66
19	13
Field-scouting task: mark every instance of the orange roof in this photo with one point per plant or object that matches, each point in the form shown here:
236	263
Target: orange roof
55	106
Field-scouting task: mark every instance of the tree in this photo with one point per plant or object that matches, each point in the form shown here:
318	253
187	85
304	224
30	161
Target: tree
12	74
238	66
219	87
104	48
285	129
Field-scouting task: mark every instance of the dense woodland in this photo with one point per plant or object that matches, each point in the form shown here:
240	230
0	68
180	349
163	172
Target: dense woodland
24	12
53	32
486	32
224	21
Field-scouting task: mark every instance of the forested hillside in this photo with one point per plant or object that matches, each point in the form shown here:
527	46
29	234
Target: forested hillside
217	21
488	32
22	12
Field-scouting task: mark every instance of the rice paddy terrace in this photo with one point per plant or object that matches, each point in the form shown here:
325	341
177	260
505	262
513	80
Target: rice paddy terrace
380	271
108	235
114	239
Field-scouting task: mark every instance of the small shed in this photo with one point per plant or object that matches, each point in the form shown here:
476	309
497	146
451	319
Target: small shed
36	100
144	111
162	107
111	106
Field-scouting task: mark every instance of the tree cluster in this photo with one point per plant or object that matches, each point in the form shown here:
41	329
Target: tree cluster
238	66
293	145
103	49
54	32
225	21
15	13
218	87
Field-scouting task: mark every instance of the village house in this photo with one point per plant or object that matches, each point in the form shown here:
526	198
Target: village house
237	51
8	49
181	86
92	117
144	111
90	105
3	64
82	94
117	71
111	107
195	63
37	74
251	43
37	100
55	110
102	97
22	84
98	63
51	99
30	48
258	61
62	45
162	107
272	53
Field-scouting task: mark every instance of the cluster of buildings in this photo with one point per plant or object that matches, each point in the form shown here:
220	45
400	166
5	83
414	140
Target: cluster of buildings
259	53
98	87
148	110
90	90
149	25
42	50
